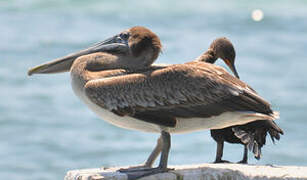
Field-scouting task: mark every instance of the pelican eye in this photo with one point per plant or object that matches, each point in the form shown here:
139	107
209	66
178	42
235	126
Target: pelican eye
124	36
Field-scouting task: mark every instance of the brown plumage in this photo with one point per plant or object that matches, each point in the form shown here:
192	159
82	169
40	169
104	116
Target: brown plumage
142	39
251	135
117	80
185	101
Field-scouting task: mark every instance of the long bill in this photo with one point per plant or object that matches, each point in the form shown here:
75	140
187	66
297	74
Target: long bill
63	64
232	67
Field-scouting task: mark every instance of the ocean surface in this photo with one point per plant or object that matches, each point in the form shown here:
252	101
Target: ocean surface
45	130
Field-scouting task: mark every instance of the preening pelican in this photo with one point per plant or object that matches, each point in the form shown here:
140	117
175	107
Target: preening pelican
252	135
116	78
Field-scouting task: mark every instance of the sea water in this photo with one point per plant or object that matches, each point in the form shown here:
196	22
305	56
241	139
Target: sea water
45	130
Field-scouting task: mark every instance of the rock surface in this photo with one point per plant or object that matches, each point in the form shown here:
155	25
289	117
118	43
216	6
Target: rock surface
202	171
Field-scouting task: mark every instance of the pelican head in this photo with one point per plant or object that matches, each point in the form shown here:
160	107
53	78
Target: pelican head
135	47
221	48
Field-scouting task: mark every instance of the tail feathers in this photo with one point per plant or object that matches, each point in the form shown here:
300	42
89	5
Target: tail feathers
249	140
275	115
275	127
260	116
274	136
256	150
253	135
274	131
242	135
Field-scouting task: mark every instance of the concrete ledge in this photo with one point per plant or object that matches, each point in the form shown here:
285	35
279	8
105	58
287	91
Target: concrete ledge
202	171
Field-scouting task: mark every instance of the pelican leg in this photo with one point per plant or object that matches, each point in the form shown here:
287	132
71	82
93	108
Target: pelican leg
150	160
166	144
166	138
154	154
244	160
219	152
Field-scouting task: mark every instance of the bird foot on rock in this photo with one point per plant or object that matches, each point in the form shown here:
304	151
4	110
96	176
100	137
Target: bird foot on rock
242	162
135	168
221	161
136	172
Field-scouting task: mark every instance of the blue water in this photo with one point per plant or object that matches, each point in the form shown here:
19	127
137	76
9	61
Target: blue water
45	130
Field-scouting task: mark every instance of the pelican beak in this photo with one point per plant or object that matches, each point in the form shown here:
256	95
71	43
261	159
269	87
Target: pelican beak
232	67
114	44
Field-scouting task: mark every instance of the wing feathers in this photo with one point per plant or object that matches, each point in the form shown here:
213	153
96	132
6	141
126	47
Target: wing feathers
186	90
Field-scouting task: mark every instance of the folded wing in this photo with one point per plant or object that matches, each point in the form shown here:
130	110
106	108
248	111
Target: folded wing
160	96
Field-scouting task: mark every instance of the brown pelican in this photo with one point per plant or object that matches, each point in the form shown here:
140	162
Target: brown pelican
117	80
253	134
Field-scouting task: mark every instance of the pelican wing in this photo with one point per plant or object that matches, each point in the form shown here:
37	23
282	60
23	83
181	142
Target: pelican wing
186	90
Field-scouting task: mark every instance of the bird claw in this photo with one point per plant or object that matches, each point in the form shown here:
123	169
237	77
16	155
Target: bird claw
141	167
242	162
221	161
136	173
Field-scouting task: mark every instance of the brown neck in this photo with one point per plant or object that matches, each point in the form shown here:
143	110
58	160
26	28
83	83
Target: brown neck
209	57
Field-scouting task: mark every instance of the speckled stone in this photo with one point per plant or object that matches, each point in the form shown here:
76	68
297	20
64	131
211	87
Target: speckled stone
202	171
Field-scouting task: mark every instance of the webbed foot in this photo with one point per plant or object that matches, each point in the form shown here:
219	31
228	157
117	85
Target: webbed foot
135	168
242	161
133	175
221	161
